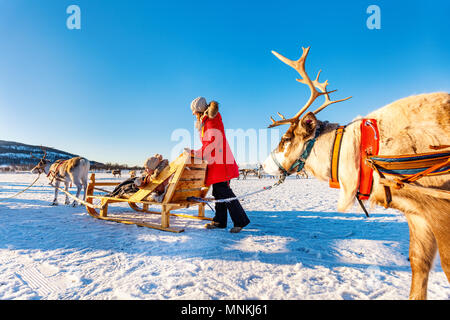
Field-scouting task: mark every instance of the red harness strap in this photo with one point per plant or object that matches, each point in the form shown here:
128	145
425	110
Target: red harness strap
369	147
55	173
370	139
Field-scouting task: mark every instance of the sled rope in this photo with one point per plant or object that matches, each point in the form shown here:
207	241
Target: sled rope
209	200
90	205
22	191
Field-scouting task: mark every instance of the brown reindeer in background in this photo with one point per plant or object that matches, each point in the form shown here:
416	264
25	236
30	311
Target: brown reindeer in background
117	173
407	126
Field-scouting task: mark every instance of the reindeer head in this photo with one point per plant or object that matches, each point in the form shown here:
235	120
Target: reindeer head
298	140
43	164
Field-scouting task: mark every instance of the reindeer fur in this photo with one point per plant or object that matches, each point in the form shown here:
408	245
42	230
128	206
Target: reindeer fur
406	126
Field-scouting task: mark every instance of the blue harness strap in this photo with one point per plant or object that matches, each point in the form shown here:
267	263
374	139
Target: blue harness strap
300	162
411	164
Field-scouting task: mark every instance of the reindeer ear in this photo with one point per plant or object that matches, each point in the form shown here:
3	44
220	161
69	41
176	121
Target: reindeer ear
307	125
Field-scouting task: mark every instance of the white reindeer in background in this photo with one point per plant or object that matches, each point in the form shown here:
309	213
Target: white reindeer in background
406	127
74	170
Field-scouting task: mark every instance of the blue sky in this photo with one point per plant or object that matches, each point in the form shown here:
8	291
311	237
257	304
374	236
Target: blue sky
116	89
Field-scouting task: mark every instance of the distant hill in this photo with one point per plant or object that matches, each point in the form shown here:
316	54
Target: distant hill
18	155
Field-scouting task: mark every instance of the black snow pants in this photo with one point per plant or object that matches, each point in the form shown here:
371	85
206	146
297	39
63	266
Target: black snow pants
222	190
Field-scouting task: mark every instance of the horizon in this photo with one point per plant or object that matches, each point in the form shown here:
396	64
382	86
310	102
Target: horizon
119	89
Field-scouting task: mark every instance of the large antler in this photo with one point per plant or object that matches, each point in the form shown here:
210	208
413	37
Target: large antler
313	85
45	153
43	157
33	156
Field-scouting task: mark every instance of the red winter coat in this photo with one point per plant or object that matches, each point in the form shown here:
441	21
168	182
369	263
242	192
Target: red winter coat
215	149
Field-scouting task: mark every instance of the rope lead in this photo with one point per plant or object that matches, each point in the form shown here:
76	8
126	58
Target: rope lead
22	191
207	201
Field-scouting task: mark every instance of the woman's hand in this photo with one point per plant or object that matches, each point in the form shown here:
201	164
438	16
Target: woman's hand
191	153
188	151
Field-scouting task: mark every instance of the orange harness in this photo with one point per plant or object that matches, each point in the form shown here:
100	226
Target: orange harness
336	152
369	147
406	168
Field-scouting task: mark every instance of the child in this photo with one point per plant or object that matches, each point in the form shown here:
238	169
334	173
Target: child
153	167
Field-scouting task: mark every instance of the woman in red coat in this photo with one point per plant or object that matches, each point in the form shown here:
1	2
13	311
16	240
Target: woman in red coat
221	164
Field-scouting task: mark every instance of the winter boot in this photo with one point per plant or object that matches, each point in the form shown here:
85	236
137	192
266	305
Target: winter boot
213	225
235	229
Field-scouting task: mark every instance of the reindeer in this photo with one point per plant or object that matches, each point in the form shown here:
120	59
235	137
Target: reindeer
244	173
407	126
74	170
259	171
117	172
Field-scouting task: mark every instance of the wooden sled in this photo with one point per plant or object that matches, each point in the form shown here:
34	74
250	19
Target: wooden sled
188	180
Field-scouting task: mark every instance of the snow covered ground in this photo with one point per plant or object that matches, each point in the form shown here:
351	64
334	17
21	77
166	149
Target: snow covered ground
296	247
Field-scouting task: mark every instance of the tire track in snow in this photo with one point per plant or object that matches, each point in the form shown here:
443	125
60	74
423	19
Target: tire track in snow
34	279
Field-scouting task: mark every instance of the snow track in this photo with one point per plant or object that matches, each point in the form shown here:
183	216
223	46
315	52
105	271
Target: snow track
296	247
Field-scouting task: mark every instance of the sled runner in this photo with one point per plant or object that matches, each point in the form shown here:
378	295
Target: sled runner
187	179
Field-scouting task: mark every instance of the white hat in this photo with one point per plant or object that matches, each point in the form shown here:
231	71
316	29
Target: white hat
199	104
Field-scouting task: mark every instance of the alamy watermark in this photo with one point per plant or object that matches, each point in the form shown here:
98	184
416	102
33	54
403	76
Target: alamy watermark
252	145
74	19
374	20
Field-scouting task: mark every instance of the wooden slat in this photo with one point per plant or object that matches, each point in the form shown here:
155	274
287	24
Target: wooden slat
192	179
194	174
204	192
112	200
203	168
196	161
141	223
182	196
174	182
104	184
188	190
190	216
181	215
197	166
166	173
190	184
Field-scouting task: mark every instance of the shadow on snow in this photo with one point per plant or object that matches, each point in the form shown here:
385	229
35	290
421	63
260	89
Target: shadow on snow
273	237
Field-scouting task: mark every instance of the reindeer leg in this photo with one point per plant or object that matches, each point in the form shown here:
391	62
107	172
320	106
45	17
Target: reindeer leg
75	202
55	200
84	187
444	253
422	250
440	222
66	183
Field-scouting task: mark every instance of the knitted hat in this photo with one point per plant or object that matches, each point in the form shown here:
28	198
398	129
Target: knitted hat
152	162
199	104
